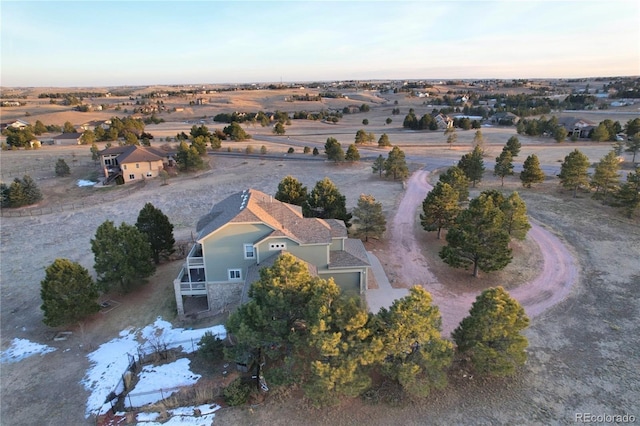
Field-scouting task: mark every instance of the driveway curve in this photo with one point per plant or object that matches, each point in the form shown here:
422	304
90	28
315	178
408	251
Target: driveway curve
552	285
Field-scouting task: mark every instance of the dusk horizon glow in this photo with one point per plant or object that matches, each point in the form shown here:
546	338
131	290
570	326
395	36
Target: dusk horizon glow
110	43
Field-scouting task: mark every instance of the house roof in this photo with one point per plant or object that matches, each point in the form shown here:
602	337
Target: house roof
134	153
353	255
569	122
286	220
74	136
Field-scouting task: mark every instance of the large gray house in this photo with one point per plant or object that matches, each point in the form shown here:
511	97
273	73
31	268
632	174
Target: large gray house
246	232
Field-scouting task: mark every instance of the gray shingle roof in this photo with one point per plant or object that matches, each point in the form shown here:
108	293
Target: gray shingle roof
252	206
353	255
134	153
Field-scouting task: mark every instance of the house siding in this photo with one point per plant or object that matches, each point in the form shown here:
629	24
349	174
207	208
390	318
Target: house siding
146	169
224	249
349	282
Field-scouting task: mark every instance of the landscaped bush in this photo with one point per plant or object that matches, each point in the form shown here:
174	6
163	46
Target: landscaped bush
210	347
237	393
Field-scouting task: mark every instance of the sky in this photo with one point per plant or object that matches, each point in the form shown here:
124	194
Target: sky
112	43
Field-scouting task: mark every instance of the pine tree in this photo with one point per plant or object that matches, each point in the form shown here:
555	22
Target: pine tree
629	193
396	165
68	293
574	171
16	194
123	256
62	168
378	165
153	223
326	202
416	355
334	150
513	145
384	141
440	208
32	193
95	152
531	171
478	140
291	191
455	177
369	217
516	222
472	165
188	158
491	335
353	154
478	238
452	136
605	177
503	166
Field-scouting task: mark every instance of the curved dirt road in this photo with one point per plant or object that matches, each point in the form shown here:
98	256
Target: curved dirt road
551	286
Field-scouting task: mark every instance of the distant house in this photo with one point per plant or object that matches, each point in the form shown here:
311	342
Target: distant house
131	163
246	232
16	124
67	139
577	127
92	125
444	121
504	119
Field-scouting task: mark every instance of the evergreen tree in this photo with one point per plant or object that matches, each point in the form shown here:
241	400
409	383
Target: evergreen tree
188	158
516	222
291	191
200	145
333	149
378	165
472	165
503	166
315	151
574	171
600	133
384	140
369	217
361	137
605	177
95	153
39	128
235	132
440	208
16	194
478	238
455	177
32	193
395	165
416	355
68	127
4	195
123	256
88	137
62	168
153	223
478	140
560	134
633	146
513	145
353	154
531	171
452	136
629	193
326	202
491	335
68	293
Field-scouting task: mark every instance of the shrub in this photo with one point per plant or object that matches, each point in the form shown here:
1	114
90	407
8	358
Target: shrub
306	150
210	347
290	150
263	150
237	393
249	149
62	168
315	151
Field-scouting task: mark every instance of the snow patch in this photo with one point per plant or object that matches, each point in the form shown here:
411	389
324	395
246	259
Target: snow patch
23	348
84	182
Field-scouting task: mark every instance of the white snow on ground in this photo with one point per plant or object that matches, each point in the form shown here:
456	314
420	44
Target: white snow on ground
21	349
84	182
166	376
183	416
110	361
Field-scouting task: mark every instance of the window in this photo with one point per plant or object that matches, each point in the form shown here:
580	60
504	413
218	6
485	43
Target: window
277	246
132	177
124	167
235	274
249	252
137	166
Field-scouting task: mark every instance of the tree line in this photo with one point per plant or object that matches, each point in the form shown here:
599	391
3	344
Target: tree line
124	256
299	330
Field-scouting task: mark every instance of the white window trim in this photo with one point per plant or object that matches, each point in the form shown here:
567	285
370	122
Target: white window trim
232	278
245	251
277	246
132	176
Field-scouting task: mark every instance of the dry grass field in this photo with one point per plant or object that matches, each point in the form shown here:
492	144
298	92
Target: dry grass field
583	353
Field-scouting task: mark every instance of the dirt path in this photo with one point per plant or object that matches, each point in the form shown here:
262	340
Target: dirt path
552	284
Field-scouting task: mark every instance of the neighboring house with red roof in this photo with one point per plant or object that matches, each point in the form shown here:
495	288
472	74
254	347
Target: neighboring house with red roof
246	232
130	163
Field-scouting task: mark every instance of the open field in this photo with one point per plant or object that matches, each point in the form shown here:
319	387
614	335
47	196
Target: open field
583	352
